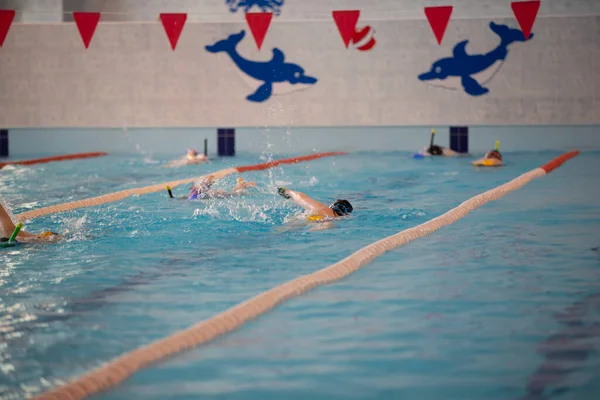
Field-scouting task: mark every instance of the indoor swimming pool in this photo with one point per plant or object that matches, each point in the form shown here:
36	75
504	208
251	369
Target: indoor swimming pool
471	312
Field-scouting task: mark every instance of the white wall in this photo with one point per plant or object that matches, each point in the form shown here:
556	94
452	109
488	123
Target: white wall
31	11
130	76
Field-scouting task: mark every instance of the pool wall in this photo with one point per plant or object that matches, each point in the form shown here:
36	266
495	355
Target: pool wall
131	77
148	142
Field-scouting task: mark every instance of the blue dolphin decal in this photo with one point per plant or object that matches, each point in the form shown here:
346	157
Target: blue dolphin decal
464	66
269	72
264	5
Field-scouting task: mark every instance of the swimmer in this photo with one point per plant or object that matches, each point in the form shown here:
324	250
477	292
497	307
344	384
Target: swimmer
7	227
317	210
492	158
435	150
204	190
192	157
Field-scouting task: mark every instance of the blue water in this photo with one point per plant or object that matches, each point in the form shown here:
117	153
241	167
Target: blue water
457	315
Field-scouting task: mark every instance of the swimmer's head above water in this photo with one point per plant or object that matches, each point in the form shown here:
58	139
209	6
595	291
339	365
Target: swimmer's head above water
200	189
193	155
435	150
493	154
341	207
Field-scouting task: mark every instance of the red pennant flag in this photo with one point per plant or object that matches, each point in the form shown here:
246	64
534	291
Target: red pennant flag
346	23
259	25
173	24
86	23
438	18
6	19
525	13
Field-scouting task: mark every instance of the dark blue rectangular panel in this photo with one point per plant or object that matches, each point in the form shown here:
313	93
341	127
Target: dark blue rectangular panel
3	142
226	142
459	139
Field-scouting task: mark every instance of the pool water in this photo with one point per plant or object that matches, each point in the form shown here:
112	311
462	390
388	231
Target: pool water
461	314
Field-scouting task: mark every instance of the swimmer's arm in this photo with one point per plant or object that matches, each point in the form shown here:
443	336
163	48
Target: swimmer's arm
322	226
5	222
242	187
448	152
302	200
23	234
7	228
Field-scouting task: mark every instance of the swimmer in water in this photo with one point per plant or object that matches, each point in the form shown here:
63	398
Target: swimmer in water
492	158
7	227
493	155
317	210
435	150
204	190
192	157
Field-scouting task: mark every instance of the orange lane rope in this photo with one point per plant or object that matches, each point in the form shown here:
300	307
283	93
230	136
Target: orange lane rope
115	196
52	159
121	368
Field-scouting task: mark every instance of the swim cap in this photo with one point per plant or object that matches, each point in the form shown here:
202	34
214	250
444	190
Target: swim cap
341	207
283	192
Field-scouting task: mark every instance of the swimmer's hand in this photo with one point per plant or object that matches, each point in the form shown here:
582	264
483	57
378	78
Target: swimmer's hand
283	192
243	184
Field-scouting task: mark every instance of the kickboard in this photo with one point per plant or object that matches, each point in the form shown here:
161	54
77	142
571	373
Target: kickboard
488	164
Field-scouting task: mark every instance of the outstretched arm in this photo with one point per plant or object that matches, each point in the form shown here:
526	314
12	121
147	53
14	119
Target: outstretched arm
7	227
6	224
302	200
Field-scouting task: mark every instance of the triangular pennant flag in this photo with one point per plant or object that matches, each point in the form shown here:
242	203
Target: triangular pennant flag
6	19
438	18
173	24
86	23
525	13
259	25
346	23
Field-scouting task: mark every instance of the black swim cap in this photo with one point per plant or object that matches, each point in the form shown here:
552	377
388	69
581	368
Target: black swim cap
341	207
435	150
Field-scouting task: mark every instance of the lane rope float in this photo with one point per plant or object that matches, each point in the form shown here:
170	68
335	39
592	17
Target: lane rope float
53	159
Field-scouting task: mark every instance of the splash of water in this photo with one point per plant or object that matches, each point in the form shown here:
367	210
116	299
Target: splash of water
146	154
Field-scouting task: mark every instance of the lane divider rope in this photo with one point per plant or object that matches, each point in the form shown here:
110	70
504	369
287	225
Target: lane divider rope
115	196
118	370
53	158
